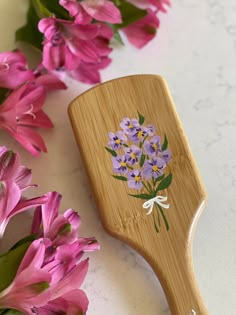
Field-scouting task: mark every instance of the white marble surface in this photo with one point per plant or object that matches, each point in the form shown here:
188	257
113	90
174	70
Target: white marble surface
196	52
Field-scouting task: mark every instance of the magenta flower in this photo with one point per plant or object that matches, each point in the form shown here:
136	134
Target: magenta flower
88	72
66	44
117	140
14	178
13	70
141	32
135	179
129	125
152	146
120	164
159	4
29	289
153	168
86	10
23	110
133	154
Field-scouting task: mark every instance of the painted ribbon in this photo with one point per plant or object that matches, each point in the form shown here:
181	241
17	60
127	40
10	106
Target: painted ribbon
149	204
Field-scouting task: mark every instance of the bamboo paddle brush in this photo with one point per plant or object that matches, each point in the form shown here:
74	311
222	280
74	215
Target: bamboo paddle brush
144	178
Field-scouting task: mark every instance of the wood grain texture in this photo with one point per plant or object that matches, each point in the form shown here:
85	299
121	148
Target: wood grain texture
93	115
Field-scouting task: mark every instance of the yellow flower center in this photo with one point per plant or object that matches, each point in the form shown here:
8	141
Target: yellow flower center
123	164
117	141
154	146
140	134
133	156
155	168
130	126
137	178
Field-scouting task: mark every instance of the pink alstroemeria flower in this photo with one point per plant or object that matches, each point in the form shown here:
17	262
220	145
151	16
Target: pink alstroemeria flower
142	31
160	5
89	72
30	287
23	110
67	44
14	178
14	70
86	10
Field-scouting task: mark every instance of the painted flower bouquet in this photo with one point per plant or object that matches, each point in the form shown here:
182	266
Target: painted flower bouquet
74	37
42	273
141	159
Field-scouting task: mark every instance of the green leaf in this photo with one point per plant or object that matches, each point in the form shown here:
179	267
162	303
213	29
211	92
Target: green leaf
12	312
125	145
120	178
112	152
29	238
29	33
164	183
3	95
9	264
165	144
142	196
140	119
158	179
130	13
40	9
141	162
55	8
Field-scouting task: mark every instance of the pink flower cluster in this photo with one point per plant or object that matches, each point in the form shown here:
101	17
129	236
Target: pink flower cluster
25	95
81	45
51	272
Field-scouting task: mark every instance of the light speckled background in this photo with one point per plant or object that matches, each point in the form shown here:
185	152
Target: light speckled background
195	51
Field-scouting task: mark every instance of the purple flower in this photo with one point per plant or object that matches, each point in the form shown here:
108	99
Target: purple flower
153	168
166	155
120	164
133	154
150	130
129	125
117	139
138	134
135	179
152	147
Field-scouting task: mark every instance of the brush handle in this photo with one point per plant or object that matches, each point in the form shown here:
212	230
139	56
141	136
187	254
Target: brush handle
180	287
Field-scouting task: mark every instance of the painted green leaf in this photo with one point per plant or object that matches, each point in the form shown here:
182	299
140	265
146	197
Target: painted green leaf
29	32
9	264
130	13
140	118
143	157
164	218
112	152
142	196
165	144
164	183
158	179
120	178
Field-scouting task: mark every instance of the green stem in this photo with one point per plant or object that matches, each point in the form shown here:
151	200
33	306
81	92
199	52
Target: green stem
164	218
158	215
150	191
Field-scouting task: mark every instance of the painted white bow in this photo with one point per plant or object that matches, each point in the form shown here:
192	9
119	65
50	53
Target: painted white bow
149	204
193	313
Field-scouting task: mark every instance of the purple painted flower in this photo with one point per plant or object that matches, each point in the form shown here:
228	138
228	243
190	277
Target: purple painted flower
129	125
150	130
166	155
138	134
117	139
135	179
153	146
133	154
120	164
153	168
